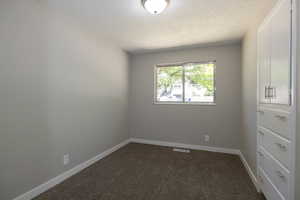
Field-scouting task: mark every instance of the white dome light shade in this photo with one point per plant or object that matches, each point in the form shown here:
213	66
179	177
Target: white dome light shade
155	6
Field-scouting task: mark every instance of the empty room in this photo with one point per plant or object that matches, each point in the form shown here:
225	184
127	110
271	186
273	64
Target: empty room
149	100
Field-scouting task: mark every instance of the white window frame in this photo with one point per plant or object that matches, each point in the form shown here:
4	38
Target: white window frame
183	82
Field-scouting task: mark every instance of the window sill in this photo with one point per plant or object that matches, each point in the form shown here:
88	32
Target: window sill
180	103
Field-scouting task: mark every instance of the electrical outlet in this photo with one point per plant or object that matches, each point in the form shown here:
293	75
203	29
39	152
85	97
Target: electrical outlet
206	138
66	159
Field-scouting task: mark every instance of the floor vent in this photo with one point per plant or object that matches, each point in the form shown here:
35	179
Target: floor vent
182	150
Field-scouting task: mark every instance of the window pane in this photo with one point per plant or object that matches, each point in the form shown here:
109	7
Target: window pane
199	83
169	84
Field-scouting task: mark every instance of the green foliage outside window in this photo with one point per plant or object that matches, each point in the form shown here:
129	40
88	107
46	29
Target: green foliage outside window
167	77
198	74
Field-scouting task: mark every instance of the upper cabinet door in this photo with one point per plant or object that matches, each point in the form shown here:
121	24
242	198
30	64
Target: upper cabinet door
264	56
281	53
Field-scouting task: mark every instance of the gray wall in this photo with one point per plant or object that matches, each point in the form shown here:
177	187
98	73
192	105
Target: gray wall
188	123
298	108
249	82
61	92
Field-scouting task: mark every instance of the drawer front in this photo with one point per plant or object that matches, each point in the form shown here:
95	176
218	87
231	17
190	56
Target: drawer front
277	146
268	187
277	174
276	121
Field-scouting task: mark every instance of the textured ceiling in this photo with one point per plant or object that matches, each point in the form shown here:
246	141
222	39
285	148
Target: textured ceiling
183	23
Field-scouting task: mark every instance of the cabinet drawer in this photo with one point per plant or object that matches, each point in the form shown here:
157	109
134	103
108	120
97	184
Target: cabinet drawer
275	171
278	147
276	121
268	188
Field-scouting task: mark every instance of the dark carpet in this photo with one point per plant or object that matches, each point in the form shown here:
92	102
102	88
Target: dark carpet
146	172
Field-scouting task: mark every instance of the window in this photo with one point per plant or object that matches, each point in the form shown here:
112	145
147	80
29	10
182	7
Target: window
185	83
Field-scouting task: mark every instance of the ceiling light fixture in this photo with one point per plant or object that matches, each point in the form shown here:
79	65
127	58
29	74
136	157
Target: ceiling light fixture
155	7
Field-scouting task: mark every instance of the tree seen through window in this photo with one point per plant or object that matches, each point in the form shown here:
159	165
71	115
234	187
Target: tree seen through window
191	82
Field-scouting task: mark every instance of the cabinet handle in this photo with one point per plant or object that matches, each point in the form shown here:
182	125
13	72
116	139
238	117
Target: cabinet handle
281	117
281	146
271	89
280	175
266	92
271	92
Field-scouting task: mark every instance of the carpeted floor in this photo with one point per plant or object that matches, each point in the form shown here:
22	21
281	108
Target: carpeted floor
146	172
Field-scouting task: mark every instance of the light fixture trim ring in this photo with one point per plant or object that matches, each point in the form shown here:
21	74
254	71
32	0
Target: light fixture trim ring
155	12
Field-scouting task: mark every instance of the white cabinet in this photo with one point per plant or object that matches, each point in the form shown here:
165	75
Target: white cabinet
277	173
281	53
274	56
277	121
276	110
264	55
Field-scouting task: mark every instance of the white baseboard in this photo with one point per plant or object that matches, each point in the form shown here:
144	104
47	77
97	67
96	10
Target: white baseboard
60	178
250	172
187	146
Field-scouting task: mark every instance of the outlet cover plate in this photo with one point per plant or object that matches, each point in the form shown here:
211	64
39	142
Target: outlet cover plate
66	159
